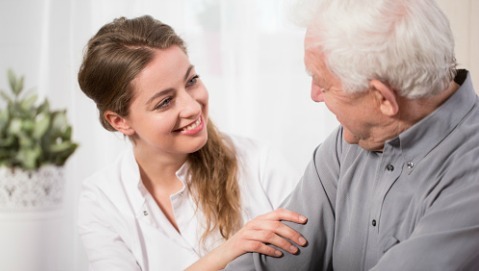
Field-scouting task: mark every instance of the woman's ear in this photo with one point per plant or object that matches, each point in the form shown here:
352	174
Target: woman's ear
386	98
119	123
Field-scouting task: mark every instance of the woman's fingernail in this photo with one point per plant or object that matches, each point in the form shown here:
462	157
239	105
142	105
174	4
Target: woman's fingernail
302	241
293	249
278	253
302	218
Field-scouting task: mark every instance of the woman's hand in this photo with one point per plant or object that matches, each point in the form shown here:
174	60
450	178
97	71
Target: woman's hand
266	229
257	235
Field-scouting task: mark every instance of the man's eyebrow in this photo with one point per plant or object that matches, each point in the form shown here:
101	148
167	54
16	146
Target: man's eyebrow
308	72
315	77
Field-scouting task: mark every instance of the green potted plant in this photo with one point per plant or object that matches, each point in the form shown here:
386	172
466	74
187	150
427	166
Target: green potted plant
35	143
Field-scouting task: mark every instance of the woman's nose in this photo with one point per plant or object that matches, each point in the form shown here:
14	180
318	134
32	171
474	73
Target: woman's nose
189	106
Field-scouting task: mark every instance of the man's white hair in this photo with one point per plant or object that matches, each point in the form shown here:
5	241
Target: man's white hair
406	44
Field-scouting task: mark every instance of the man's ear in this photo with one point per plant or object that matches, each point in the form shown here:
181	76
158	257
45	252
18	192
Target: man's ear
119	123
386	97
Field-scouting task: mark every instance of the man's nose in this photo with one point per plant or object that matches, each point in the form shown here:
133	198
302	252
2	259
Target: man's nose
316	94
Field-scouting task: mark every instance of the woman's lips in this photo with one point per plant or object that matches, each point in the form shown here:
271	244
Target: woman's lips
192	128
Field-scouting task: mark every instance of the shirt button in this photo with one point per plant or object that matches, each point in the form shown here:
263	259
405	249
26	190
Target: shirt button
145	213
410	165
389	167
373	223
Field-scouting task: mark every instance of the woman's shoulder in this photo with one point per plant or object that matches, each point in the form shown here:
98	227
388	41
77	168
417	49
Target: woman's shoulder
111	174
244	144
266	175
115	185
254	154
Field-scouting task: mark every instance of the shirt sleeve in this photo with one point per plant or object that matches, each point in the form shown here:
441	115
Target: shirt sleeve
313	197
105	248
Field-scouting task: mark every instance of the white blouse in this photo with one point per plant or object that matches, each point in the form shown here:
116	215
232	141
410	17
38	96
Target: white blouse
122	227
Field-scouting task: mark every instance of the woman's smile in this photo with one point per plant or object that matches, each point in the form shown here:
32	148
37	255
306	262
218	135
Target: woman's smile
192	128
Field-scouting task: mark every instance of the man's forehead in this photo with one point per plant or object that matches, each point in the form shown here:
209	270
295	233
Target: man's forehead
312	35
314	62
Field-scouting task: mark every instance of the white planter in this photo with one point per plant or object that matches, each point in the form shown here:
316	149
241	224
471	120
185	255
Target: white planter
31	219
38	190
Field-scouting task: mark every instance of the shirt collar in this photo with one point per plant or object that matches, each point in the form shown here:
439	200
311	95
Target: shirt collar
417	141
131	180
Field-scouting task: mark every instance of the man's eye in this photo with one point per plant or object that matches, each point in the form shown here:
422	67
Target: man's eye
192	81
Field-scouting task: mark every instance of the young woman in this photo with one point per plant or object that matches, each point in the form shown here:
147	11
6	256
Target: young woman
182	197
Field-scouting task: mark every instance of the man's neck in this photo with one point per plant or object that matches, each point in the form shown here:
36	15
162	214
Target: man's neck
412	111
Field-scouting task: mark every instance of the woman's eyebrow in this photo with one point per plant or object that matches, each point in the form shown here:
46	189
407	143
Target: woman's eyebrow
188	71
168	90
159	94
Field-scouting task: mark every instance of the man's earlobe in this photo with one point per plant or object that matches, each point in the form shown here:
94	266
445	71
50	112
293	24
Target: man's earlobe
119	123
386	98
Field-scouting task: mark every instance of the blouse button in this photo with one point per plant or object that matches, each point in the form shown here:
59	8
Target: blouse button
410	165
389	167
373	223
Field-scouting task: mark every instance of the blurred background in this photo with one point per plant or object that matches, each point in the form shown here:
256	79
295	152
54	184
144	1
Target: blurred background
248	54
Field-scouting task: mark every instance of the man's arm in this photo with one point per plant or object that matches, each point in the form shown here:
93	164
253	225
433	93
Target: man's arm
313	197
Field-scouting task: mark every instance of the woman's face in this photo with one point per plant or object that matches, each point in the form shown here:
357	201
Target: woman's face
169	111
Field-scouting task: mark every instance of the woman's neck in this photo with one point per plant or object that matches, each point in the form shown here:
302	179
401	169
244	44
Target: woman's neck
158	169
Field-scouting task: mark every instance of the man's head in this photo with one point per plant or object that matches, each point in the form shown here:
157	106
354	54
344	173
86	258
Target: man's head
370	55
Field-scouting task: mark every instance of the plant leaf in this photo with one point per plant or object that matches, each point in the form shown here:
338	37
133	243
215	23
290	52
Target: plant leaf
16	83
6	97
60	152
4	117
28	103
28	157
27	126
7	144
44	107
26	142
15	127
59	122
31	135
42	124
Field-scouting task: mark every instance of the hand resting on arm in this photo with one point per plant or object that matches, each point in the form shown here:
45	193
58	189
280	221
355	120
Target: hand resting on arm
255	236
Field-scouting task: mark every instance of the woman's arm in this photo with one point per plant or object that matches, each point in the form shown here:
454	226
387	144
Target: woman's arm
104	246
254	237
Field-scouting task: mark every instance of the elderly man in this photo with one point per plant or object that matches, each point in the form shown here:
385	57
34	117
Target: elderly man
396	186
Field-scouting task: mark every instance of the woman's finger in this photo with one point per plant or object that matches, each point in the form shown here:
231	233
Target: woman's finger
276	228
284	214
262	248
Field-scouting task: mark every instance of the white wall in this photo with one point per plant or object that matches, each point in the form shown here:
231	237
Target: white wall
464	23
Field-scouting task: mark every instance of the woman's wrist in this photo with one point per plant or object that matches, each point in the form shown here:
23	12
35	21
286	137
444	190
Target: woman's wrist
213	261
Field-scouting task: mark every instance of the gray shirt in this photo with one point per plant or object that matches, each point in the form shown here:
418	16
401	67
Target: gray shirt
413	207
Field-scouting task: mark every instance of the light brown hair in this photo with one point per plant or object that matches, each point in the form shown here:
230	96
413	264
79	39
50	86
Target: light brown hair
113	58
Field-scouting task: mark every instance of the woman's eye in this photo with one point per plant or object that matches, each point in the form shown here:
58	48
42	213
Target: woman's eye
164	103
192	81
